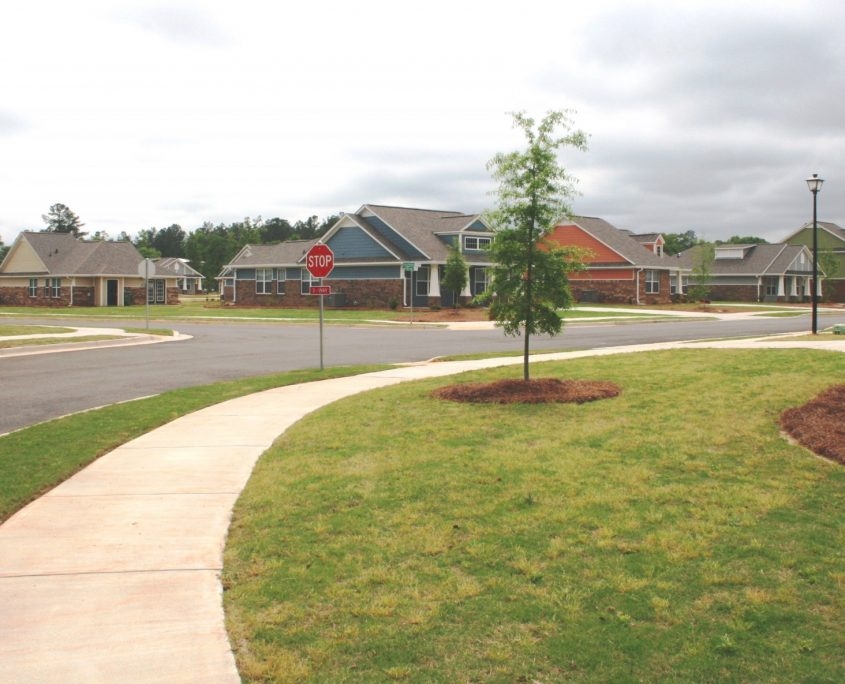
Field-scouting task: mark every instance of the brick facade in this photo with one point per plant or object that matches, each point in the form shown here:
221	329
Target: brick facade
620	291
82	296
364	293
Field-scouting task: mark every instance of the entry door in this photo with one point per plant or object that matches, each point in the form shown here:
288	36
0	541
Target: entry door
111	293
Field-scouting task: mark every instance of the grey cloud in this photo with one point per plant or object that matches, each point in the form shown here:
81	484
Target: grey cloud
180	23
9	123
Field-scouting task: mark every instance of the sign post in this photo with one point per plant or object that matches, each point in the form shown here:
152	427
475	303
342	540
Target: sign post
319	260
409	267
146	269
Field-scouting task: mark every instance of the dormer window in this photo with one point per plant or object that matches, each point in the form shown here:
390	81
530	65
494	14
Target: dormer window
658	249
474	244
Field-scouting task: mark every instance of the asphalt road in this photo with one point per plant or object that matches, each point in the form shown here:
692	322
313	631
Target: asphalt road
40	387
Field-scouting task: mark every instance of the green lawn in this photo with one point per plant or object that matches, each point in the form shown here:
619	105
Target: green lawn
670	534
7	330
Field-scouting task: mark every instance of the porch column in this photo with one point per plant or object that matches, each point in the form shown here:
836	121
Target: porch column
808	286
819	286
781	290
434	280
467	291
793	286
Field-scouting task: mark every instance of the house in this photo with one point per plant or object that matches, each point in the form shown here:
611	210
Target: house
831	240
755	273
383	256
58	269
621	267
188	279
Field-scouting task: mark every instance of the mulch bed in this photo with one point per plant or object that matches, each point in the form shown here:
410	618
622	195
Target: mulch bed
819	425
540	391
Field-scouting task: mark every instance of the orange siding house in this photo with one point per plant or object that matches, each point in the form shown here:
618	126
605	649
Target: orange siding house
622	267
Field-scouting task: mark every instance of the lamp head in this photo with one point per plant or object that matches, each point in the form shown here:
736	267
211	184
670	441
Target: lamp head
814	183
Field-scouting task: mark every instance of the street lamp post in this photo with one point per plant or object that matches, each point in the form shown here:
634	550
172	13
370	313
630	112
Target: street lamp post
815	184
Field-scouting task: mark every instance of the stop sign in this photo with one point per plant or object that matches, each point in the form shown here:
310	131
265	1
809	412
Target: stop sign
319	260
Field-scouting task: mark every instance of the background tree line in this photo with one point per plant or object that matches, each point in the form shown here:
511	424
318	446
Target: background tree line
208	248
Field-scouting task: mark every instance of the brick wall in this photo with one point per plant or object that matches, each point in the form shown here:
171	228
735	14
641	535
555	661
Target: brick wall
363	293
19	296
620	291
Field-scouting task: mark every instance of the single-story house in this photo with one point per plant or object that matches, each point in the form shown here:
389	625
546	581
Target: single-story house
756	273
383	256
188	279
621	267
58	269
831	239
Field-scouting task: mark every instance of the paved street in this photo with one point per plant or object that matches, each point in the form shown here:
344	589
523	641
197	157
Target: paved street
45	386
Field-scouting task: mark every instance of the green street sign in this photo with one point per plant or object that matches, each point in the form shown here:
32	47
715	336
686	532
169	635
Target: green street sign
408	267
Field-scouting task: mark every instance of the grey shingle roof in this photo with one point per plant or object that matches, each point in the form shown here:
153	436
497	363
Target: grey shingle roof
253	256
622	243
65	255
421	226
758	260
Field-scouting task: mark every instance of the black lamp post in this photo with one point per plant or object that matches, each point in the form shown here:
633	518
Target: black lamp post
815	184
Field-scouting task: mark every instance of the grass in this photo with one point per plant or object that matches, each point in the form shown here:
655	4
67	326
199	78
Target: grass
36	459
14	330
44	341
667	534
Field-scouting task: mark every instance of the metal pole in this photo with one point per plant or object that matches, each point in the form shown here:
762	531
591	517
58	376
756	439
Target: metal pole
815	265
321	331
147	293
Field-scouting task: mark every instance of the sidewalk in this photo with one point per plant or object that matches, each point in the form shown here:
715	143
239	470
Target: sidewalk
113	576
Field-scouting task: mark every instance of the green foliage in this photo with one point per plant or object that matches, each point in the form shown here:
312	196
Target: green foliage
60	219
702	268
743	240
529	281
675	243
456	273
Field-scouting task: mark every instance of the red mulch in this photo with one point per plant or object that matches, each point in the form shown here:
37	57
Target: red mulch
819	425
544	390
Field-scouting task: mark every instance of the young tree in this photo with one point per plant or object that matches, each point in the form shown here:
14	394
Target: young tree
60	219
703	256
529	281
455	274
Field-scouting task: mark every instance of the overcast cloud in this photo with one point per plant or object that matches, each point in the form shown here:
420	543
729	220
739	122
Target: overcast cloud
703	116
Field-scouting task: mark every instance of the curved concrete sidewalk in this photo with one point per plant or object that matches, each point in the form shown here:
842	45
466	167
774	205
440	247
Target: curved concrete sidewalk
113	576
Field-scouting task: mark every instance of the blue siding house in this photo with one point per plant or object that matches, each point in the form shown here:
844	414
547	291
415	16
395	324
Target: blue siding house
373	248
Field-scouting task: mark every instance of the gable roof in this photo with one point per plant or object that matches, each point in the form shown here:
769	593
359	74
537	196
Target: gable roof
621	242
62	254
267	256
832	228
763	259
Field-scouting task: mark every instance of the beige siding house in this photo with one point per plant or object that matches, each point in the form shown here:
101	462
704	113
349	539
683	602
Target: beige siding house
58	269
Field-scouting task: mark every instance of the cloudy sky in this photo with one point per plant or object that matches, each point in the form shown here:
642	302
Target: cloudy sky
702	115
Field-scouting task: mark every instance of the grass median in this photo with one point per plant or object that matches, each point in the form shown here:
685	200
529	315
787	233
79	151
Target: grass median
36	459
667	534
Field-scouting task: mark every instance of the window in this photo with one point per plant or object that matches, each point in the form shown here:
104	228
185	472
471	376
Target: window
263	281
307	282
479	280
156	291
652	282
476	243
280	282
422	281
771	287
55	287
33	287
658	249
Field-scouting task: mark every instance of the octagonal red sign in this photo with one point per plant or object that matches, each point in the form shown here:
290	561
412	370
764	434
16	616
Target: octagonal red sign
319	260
